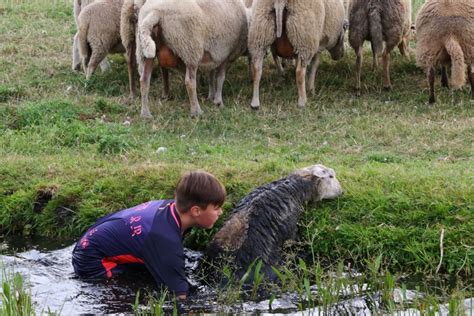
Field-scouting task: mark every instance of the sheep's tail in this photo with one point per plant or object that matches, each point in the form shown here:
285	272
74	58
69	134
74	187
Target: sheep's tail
279	7
145	41
458	75
376	30
84	47
128	22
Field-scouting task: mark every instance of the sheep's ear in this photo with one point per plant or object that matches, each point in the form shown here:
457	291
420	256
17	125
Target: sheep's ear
320	171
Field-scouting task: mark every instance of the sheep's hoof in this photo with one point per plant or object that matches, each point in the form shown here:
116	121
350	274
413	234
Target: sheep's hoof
219	103
146	115
357	93
255	105
76	67
432	100
196	113
387	88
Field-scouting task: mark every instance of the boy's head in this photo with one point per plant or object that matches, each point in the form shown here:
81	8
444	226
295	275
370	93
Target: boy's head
199	188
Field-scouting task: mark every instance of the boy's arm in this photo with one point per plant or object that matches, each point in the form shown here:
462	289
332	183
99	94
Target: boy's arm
165	261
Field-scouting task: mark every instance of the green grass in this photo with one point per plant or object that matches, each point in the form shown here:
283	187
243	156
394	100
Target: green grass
68	154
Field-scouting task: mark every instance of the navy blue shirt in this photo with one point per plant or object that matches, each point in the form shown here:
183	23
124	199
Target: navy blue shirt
149	234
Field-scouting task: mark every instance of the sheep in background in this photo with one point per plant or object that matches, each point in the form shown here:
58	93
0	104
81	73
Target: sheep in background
379	21
301	27
335	25
76	60
99	33
208	34
267	217
445	35
128	28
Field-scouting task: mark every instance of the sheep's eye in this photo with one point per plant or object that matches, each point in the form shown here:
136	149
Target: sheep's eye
331	176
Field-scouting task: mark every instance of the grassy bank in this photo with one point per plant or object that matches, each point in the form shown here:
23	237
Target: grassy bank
72	150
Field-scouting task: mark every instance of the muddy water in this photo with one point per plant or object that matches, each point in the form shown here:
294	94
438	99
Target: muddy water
46	267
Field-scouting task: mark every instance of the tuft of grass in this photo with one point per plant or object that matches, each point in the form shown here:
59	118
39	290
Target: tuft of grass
16	299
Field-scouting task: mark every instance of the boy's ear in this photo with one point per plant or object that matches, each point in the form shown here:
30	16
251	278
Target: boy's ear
195	211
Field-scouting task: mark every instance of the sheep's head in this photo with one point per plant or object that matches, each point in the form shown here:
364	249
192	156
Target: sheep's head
324	179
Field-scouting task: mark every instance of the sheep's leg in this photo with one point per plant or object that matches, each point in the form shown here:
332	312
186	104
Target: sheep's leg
444	77
249	59
386	69
257	65
374	58
190	81
431	80
358	69
145	87
76	59
220	84
132	65
470	77
212	85
312	74
165	75
277	61
404	48
93	62
300	81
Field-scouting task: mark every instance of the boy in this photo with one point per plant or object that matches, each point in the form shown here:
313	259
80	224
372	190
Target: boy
150	234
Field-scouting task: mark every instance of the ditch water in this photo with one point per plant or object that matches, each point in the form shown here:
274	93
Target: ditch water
46	268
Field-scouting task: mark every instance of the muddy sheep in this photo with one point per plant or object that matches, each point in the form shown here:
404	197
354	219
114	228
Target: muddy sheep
208	34
445	35
267	217
379	21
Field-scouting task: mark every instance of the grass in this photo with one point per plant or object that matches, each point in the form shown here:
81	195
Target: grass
73	150
317	290
15	297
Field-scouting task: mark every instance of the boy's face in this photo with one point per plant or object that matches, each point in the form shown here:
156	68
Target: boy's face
208	216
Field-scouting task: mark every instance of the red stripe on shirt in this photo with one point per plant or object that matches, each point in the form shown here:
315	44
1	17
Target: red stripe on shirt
111	262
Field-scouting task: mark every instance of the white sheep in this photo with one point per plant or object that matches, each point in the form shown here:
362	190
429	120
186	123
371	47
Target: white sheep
208	34
445	35
379	21
99	33
76	60
302	26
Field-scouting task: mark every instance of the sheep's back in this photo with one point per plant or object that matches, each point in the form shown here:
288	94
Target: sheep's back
102	34
333	23
358	23
305	26
438	21
262	221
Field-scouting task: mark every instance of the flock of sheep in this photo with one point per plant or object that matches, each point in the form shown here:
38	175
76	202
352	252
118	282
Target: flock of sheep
211	34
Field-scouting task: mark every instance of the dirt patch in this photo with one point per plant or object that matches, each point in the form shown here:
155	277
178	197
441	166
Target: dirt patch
43	196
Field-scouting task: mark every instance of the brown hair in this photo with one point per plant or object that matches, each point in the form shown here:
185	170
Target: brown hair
198	188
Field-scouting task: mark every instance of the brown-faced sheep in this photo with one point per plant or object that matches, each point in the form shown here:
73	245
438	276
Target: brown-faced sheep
76	60
97	38
267	217
379	21
297	29
445	35
208	34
